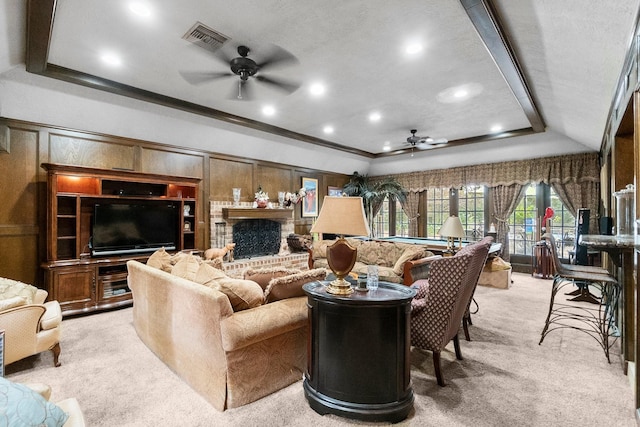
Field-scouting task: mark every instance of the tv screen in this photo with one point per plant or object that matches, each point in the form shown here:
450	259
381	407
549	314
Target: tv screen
128	228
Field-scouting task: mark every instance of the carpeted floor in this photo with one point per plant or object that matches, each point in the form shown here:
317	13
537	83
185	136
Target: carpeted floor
506	378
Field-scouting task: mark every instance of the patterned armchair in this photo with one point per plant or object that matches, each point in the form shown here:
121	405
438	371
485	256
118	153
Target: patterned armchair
439	305
31	325
480	252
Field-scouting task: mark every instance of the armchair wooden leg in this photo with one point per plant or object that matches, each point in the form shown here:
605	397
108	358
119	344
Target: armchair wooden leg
438	369
456	346
56	354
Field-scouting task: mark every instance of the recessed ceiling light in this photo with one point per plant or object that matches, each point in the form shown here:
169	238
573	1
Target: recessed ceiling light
461	93
496	128
268	110
111	59
413	48
317	89
374	117
141	9
328	129
386	147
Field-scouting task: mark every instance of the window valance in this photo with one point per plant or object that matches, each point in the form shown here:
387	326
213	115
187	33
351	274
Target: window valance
558	169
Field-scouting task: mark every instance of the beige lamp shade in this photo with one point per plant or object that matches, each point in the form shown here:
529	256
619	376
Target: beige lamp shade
452	227
342	215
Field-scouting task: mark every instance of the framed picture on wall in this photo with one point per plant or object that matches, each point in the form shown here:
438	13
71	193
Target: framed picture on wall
310	201
334	191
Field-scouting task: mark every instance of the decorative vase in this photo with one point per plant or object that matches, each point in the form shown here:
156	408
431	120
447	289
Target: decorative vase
262	203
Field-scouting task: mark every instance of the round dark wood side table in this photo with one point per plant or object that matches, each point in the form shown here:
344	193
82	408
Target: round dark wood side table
358	352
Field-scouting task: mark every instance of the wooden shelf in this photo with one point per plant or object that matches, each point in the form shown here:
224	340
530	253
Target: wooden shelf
256	213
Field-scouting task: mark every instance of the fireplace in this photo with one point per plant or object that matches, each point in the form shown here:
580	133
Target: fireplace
256	237
256	232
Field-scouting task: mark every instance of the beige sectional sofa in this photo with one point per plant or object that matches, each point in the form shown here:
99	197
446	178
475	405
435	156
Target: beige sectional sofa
395	260
230	357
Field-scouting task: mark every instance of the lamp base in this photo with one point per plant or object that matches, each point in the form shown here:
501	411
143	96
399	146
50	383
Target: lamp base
339	287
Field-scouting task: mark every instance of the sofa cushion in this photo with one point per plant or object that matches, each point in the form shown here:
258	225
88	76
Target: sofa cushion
12	302
24	407
264	275
13	288
291	286
375	253
160	259
410	253
186	267
242	294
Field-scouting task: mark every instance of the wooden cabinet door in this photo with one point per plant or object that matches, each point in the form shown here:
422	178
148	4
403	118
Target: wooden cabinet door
72	287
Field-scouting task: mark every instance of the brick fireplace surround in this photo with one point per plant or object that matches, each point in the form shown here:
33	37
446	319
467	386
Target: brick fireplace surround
236	268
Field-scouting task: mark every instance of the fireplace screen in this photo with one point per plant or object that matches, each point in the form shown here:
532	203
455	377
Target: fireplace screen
256	237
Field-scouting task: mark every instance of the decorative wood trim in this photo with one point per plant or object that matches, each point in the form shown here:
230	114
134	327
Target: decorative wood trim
256	213
5	138
497	43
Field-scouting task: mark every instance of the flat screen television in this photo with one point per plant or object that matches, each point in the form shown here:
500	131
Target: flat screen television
128	228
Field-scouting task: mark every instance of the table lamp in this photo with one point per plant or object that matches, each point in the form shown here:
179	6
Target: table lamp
452	229
341	215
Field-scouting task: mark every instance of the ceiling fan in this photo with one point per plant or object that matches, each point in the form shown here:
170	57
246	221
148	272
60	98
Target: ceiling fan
247	69
424	142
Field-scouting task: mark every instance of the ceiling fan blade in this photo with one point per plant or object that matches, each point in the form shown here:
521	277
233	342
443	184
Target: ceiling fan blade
277	56
438	141
201	77
287	86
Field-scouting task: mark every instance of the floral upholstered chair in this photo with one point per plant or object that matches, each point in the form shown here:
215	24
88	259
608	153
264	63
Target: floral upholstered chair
31	325
439	305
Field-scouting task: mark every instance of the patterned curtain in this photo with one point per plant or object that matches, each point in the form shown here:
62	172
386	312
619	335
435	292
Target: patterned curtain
575	195
410	208
504	199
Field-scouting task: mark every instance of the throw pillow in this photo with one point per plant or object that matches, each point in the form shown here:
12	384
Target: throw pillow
13	288
216	263
291	286
242	294
409	254
209	276
22	406
263	276
160	259
187	267
12	302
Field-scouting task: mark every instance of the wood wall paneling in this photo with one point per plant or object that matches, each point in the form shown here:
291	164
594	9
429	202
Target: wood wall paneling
19	215
226	174
78	151
171	163
274	179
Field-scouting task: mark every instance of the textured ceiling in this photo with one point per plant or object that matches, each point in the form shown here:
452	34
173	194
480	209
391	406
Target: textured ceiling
570	54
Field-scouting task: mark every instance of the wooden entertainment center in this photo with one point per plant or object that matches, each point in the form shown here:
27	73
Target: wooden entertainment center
79	281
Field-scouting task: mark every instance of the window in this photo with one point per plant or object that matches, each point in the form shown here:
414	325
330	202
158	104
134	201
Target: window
437	210
384	224
402	221
563	226
471	211
522	224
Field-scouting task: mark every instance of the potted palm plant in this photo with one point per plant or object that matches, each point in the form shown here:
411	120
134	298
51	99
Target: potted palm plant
373	193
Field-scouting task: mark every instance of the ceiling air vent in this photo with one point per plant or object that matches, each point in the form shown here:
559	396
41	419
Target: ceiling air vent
205	37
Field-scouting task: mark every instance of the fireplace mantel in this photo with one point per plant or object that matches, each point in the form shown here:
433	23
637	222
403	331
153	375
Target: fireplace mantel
256	213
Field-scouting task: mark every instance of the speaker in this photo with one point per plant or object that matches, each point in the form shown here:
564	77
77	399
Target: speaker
582	227
606	225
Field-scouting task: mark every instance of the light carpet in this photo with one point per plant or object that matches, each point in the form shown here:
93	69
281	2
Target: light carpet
505	379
